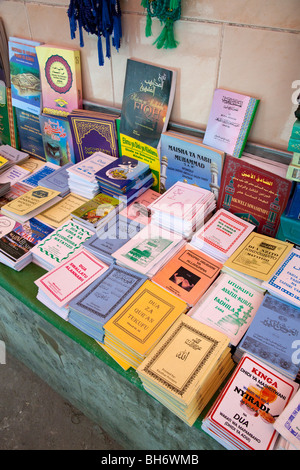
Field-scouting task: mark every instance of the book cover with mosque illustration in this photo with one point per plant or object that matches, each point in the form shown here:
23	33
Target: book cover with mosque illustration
254	194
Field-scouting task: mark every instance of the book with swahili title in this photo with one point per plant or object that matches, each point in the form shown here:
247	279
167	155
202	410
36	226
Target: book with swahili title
254	193
230	120
146	107
93	131
61	82
17	240
272	336
186	367
229	306
141	322
30	204
243	416
188	274
60	212
25	74
186	158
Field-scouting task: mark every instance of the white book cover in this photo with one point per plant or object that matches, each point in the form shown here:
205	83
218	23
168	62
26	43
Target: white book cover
288	422
87	168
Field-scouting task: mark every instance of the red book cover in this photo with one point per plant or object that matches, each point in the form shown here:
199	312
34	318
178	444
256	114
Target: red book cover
253	194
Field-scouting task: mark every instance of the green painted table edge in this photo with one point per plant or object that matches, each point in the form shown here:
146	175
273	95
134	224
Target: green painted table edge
21	286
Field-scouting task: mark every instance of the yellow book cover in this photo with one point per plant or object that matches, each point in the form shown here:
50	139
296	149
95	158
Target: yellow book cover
31	200
186	357
142	321
3	161
259	256
60	212
61	81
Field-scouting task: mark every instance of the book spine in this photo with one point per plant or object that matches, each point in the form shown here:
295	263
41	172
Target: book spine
12	120
245	128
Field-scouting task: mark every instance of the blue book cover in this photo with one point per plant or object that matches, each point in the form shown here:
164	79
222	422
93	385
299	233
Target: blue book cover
29	132
58	180
273	334
189	161
57	139
111	237
107	294
123	173
33	180
24	75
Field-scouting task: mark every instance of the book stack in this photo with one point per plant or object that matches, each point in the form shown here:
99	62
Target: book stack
59	286
284	283
12	155
188	274
229	306
96	212
293	171
183	208
221	235
257	259
58	180
243	416
186	367
13	175
81	176
33	180
17	241
149	250
273	335
30	204
125	177
15	191
60	212
60	245
138	211
110	237
96	304
141	322
287	424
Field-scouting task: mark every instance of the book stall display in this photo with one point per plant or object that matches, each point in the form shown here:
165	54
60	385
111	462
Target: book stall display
170	251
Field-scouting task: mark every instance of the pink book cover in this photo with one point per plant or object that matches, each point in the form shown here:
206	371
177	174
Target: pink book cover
139	210
224	232
249	404
61	284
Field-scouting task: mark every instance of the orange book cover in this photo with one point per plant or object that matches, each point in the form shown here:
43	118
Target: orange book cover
188	274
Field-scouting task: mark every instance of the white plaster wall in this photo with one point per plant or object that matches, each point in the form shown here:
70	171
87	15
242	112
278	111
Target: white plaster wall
247	46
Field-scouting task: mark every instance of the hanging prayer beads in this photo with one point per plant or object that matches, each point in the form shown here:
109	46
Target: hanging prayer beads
167	11
99	17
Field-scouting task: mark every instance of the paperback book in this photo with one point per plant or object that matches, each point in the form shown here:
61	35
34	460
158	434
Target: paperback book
33	180
15	191
61	212
138	211
243	416
58	180
230	120
24	74
187	159
13	175
92	132
188	274
59	286
285	282
57	139
141	322
272	336
60	245
222	234
13	155
17	241
288	422
92	308
30	204
97	212
29	133
186	367
229	306
254	194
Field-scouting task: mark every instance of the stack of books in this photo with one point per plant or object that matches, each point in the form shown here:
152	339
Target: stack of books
59	286
188	274
272	336
138	211
60	245
125	177
96	304
33	180
17	240
229	306
222	234
58	180
183	208
96	212
186	367
149	250
257	259
11	156
284	283
110	237
141	322
243	416
81	176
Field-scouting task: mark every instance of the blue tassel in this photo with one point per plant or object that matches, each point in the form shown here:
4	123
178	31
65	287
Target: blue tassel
100	51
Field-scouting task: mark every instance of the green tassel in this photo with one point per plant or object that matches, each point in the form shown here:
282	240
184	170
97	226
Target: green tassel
173	4
160	41
170	43
148	30
144	3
